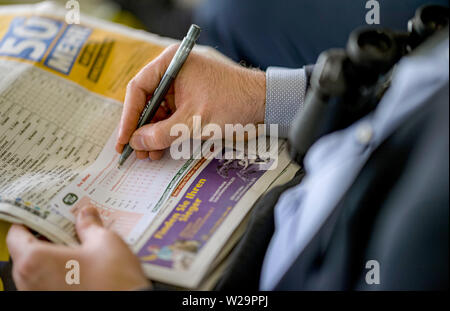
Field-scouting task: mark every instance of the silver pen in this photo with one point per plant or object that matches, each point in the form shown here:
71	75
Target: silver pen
161	91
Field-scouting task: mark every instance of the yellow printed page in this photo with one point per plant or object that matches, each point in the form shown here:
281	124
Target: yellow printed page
100	60
4	255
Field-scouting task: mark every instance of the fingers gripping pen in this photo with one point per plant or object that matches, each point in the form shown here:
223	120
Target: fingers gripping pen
161	91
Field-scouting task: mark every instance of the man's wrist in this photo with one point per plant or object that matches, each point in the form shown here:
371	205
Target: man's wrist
259	94
253	89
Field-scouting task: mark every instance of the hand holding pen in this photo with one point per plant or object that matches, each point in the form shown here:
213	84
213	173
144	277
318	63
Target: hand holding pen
169	76
208	85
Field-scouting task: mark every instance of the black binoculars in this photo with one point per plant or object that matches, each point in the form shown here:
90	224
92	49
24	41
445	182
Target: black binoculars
347	84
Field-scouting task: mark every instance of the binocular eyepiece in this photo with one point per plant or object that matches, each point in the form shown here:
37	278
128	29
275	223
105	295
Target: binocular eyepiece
428	20
346	84
381	48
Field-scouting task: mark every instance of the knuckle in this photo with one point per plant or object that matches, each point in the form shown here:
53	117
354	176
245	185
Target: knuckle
158	139
97	230
112	236
107	234
202	111
103	233
82	225
10	239
152	139
131	85
105	237
173	47
28	265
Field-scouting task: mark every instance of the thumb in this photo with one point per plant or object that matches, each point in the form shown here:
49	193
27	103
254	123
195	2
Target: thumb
88	221
156	136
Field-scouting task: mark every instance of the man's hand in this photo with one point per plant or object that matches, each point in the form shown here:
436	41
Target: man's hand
106	262
220	92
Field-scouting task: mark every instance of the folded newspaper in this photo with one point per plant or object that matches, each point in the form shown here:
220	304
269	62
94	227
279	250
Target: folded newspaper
61	92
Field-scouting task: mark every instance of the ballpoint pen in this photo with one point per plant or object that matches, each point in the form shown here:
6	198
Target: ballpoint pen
161	91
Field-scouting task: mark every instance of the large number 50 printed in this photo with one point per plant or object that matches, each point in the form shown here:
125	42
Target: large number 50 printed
29	38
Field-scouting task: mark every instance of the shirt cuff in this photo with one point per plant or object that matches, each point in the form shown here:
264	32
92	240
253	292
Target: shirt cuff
285	96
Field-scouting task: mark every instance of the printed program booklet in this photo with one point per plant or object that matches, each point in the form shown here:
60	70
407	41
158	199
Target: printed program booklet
61	93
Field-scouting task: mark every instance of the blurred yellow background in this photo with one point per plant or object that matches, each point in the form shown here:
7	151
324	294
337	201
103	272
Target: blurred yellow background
4	256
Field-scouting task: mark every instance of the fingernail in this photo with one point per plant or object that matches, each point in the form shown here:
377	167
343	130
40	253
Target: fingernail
88	212
137	142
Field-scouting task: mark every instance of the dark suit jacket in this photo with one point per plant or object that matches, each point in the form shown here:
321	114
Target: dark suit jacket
396	212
